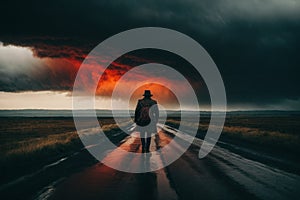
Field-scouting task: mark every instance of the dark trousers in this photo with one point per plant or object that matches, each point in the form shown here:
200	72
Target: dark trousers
145	134
146	140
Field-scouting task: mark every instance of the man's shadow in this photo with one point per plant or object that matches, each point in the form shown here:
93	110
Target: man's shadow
147	185
146	182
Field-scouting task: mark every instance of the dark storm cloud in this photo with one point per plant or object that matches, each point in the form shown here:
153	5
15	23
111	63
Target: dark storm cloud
255	44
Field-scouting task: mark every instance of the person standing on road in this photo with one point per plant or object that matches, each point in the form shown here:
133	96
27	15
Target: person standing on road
146	117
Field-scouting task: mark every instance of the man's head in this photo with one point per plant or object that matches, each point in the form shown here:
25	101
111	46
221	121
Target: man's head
147	94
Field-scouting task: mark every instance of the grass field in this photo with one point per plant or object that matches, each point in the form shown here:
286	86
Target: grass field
271	134
26	144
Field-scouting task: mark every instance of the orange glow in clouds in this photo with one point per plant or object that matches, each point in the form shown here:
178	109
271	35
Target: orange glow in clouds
162	94
64	70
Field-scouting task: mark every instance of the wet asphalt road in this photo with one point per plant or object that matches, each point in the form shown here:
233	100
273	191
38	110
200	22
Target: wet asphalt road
222	174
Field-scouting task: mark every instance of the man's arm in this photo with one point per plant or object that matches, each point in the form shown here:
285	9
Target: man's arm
155	112
137	111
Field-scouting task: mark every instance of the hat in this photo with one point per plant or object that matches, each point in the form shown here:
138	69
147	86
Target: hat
147	93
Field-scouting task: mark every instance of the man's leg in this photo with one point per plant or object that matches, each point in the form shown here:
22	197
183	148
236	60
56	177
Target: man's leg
143	141
143	144
148	142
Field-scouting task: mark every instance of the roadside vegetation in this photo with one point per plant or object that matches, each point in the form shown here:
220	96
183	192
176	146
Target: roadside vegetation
270	134
26	144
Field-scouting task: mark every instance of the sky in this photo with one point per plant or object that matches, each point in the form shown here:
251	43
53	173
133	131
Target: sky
255	45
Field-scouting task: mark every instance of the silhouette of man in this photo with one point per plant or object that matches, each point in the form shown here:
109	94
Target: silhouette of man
146	117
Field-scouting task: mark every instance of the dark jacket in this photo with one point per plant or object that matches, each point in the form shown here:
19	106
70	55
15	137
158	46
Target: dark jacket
154	113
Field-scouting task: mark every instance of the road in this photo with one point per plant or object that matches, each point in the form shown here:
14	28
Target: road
222	174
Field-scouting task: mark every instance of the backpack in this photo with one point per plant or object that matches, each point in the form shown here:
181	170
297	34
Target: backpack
144	118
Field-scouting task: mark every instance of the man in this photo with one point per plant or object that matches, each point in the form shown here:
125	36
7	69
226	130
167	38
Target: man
146	117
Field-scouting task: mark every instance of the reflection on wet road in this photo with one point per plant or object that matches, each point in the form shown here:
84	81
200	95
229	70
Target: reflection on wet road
221	175
102	182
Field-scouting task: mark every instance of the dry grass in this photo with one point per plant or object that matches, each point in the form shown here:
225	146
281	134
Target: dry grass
26	144
272	139
37	144
263	137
